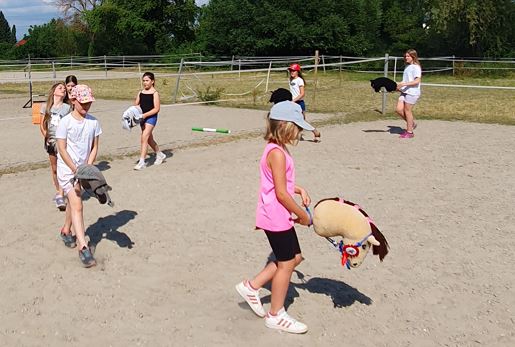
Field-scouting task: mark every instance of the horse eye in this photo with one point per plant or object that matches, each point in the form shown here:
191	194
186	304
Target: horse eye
364	246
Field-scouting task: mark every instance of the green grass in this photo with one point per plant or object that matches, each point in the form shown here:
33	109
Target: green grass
348	95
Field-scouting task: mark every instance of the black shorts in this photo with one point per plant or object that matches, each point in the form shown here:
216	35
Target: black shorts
285	244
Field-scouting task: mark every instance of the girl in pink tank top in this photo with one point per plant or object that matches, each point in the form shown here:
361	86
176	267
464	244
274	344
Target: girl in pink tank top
276	214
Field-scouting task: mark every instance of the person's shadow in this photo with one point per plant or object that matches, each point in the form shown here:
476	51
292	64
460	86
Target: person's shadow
103	165
392	129
107	228
341	294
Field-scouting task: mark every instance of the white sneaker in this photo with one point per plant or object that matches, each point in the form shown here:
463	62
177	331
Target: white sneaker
140	165
283	321
251	296
160	157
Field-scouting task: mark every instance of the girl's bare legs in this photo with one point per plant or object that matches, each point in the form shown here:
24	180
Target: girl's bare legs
280	275
399	109
74	216
147	138
405	110
408	116
66	229
53	168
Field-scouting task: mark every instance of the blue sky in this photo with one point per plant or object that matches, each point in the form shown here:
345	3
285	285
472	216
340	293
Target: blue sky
24	13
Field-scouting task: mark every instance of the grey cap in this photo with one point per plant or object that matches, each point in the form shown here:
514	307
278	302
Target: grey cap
291	112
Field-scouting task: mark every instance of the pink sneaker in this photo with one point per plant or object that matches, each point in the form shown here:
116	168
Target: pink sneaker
407	135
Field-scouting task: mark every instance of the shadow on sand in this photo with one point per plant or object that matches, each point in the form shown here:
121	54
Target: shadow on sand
107	228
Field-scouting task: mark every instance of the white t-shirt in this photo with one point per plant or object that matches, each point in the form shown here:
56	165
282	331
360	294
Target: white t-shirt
411	72
295	85
79	135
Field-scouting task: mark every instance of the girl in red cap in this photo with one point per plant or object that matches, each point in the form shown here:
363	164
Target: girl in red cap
297	90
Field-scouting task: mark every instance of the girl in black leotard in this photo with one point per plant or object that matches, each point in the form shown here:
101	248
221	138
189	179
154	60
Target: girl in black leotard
148	100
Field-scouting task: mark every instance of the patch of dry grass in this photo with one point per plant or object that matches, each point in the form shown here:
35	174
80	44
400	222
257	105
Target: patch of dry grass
348	94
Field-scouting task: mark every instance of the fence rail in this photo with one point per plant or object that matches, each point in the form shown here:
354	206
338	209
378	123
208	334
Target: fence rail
188	67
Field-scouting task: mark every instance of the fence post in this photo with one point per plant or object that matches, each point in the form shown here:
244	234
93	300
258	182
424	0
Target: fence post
268	76
178	81
340	71
453	57
105	65
383	106
139	75
239	69
71	61
323	62
395	68
123	61
232	62
316	78
53	70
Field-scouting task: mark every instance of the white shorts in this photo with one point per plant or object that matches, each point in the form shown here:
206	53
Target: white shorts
64	177
409	99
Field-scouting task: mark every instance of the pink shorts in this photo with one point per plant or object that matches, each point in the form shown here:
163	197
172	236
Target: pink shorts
409	99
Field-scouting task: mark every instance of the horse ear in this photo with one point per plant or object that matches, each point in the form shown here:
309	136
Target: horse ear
373	240
382	249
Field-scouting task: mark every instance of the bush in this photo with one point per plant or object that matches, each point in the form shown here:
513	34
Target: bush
210	94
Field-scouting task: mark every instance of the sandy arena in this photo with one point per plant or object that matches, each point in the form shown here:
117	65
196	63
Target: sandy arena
181	235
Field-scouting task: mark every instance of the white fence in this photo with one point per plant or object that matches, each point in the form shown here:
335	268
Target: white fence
194	66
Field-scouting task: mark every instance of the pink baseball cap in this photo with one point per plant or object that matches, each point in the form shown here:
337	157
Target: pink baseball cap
82	93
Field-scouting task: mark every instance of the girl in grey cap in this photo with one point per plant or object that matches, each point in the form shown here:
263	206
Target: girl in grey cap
276	214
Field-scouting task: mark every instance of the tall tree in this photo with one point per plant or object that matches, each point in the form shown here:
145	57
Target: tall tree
13	34
5	29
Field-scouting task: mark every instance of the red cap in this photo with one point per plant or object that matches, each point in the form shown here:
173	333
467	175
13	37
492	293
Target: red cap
294	67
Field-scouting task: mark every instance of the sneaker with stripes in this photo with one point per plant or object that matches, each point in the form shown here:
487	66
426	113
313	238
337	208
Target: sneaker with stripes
283	321
251	296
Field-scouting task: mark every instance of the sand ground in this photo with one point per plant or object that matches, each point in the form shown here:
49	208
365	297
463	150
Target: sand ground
181	236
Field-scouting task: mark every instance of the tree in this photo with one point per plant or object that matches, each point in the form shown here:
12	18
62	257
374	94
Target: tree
475	27
141	27
249	27
13	34
71	7
5	29
53	39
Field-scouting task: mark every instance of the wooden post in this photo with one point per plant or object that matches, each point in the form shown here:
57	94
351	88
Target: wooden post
268	76
453	57
239	69
178	81
394	68
315	78
383	105
53	70
105	65
71	61
232	62
340	71
323	62
139	74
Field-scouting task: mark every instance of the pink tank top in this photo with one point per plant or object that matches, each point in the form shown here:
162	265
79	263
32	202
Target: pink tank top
271	215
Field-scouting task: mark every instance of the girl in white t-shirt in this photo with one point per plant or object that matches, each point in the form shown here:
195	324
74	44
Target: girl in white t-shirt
297	90
52	111
77	143
410	92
